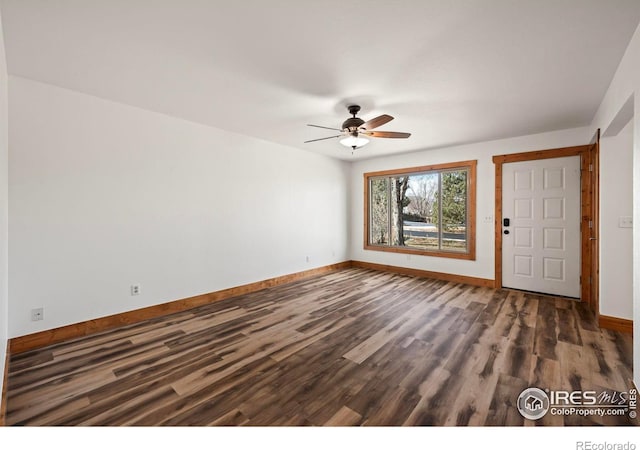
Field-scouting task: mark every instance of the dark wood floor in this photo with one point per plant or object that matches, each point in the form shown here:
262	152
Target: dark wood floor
356	347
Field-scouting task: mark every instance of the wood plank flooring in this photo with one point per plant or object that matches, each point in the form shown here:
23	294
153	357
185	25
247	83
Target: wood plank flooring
355	347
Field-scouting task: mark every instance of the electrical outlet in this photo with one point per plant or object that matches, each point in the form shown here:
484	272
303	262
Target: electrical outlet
37	314
307	259
136	289
488	219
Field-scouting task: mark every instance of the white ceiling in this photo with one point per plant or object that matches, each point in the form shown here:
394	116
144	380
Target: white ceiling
451	72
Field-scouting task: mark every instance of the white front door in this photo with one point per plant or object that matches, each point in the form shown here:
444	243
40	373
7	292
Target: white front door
541	226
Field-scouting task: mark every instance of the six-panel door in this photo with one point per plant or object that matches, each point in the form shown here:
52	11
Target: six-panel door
541	244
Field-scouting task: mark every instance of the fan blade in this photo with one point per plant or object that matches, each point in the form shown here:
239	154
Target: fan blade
326	128
386	134
376	122
322	139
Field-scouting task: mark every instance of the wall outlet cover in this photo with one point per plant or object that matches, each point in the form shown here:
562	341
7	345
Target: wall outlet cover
37	314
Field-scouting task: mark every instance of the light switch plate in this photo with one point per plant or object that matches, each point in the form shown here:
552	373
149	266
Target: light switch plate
625	222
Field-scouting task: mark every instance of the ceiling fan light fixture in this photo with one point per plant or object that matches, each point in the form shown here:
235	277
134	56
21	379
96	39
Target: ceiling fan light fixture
354	127
354	142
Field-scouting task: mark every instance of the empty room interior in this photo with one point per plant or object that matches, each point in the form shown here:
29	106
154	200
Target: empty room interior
319	213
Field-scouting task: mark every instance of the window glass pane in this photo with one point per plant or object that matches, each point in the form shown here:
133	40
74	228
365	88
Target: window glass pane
419	228
399	203
454	210
379	228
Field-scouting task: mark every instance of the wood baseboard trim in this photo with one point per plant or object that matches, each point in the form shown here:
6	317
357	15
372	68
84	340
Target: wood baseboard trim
3	398
616	324
56	335
482	282
44	338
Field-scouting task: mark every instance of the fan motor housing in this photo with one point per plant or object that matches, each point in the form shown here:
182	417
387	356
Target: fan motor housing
352	123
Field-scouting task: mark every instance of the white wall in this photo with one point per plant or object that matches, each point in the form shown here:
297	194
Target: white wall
4	311
483	266
616	244
626	85
104	195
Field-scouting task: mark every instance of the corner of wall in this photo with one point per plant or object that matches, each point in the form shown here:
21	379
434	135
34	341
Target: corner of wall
3	388
4	157
611	115
636	240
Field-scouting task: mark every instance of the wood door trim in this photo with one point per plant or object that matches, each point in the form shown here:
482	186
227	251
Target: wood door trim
541	154
593	268
499	160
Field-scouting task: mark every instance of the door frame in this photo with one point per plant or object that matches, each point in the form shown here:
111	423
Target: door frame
593	247
587	180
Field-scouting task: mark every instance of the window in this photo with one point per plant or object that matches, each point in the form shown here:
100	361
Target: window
426	210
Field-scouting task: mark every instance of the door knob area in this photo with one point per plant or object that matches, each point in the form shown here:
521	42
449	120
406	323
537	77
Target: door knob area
506	231
506	222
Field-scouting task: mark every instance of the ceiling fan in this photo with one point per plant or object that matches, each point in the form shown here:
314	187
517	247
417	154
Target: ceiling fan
354	128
